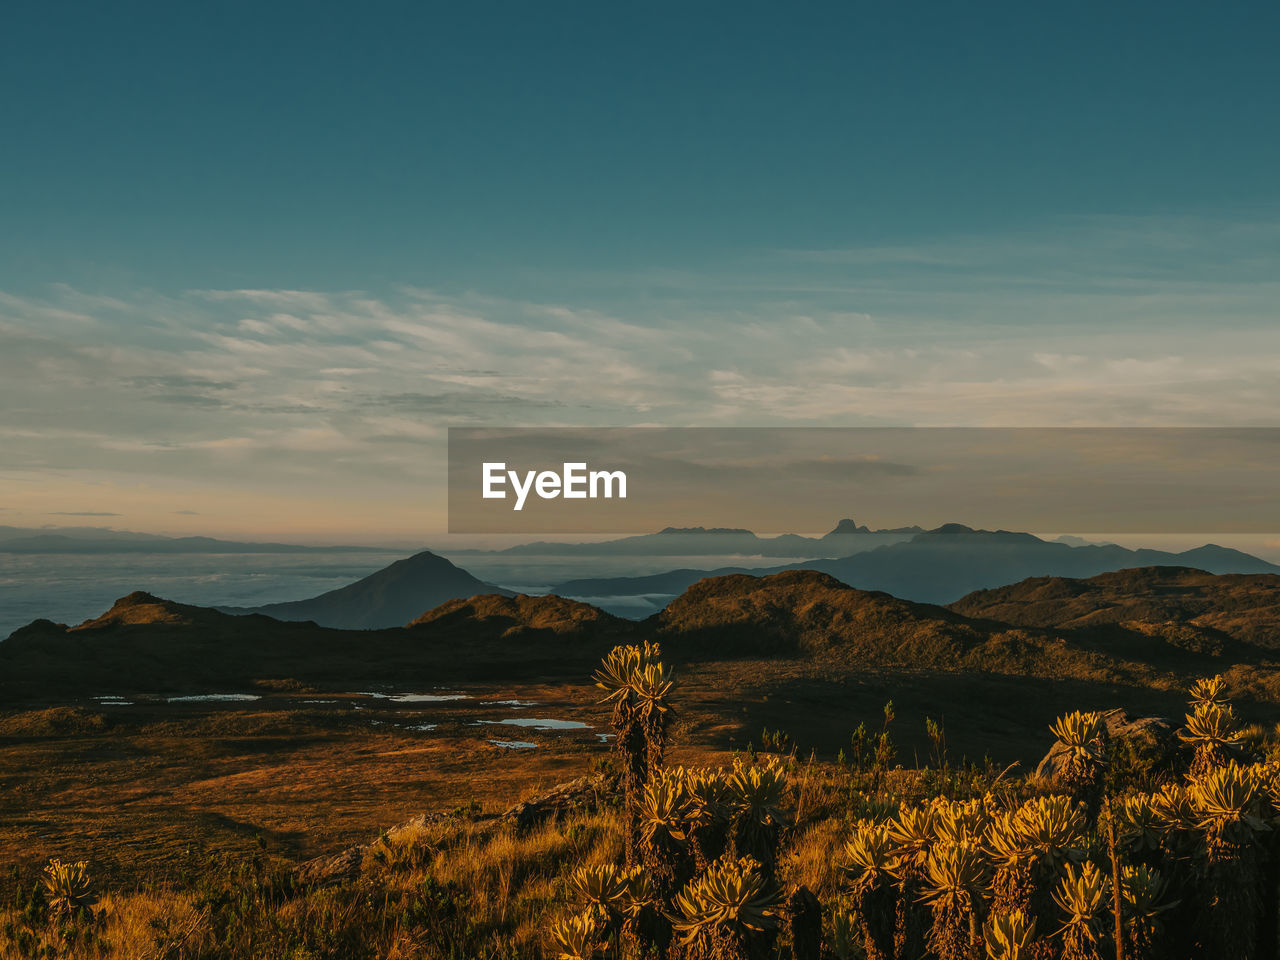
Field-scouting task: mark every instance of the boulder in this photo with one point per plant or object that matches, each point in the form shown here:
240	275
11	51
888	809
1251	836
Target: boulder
333	867
1154	739
575	795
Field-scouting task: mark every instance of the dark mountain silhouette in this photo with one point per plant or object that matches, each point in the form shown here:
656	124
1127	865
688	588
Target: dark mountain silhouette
942	565
391	597
151	645
845	538
91	540
1245	607
147	644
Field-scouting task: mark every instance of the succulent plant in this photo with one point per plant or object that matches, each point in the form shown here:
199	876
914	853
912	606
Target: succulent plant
599	887
732	908
1084	739
1082	896
1214	731
638	685
68	888
578	937
756	797
868	857
1144	893
1009	936
957	875
1209	690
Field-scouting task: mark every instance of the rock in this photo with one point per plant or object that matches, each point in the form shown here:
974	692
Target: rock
333	867
1154	739
553	805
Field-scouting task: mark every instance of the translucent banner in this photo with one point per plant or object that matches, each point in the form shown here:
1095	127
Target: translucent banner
640	479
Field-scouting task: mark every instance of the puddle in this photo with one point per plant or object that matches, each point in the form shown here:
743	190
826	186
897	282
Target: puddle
214	698
513	744
113	702
541	723
423	727
428	697
510	703
319	701
605	737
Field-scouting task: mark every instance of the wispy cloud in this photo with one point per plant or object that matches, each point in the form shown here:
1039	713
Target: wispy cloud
310	398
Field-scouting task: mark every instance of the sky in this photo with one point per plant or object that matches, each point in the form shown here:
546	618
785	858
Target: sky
256	259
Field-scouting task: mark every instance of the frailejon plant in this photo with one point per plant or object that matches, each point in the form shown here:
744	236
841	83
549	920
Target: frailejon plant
912	834
868	856
1083	737
957	875
1214	732
1030	846
730	912
1227	805
1209	690
844	942
1081	895
578	937
709	812
1009	936
637	686
1145	895
68	889
756	796
665	836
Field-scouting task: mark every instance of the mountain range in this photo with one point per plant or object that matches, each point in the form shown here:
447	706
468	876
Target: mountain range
104	540
845	538
942	565
1148	628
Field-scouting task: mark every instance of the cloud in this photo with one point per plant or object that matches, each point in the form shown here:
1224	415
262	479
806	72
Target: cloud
335	394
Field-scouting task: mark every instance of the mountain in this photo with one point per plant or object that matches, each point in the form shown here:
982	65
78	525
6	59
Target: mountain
847	537
145	644
391	597
799	620
942	565
1245	607
80	540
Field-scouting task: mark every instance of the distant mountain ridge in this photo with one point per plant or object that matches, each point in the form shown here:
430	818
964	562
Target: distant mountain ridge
846	537
97	540
390	597
942	565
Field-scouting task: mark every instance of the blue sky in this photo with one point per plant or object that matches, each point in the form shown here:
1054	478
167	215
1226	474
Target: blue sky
257	256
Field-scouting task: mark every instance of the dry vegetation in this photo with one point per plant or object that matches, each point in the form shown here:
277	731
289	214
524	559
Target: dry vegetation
771	855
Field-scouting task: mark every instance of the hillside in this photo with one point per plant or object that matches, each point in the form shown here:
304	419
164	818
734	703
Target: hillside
390	597
1245	607
148	645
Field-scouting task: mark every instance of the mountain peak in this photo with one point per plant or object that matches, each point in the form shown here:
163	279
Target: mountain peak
845	527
